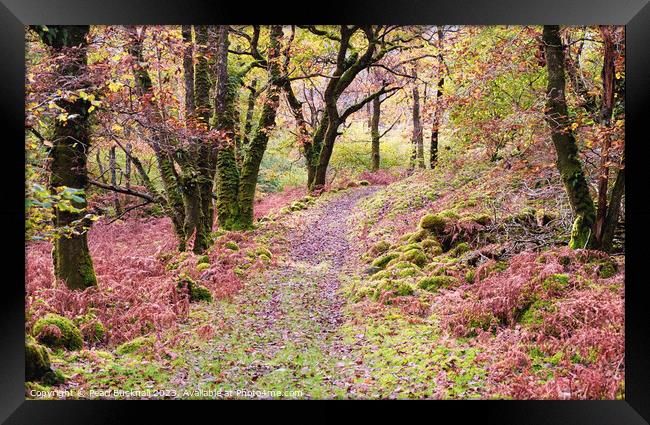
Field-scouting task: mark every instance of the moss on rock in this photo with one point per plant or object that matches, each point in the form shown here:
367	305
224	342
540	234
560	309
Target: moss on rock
459	249
398	287
202	266
195	291
134	345
380	247
56	331
232	245
433	283
37	360
382	261
433	222
416	256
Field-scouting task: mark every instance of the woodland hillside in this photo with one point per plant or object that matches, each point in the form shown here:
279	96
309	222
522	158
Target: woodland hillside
309	211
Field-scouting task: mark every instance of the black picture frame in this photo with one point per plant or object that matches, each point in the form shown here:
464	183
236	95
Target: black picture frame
16	14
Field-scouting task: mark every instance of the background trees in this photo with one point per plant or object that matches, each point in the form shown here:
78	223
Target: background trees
197	122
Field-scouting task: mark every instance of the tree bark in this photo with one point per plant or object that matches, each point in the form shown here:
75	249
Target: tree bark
255	152
72	261
568	163
112	163
606	110
127	164
374	132
418	144
437	112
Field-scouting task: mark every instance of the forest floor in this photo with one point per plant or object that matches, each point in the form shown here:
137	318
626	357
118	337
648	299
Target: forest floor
305	324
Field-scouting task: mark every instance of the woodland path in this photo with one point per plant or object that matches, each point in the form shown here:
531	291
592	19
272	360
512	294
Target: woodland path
280	334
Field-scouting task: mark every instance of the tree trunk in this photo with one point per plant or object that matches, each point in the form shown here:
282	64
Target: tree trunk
255	152
174	207
437	112
326	152
374	132
112	164
606	111
248	120
68	156
565	145
127	164
614	210
418	144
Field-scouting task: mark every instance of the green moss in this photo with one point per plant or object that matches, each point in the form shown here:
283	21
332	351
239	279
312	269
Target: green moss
202	266
401	264
459	249
543	217
200	293
410	246
580	234
285	210
606	269
433	222
383	274
68	335
526	214
416	236
262	251
37	359
33	387
470	275
195	291
134	345
232	245
380	247
416	256
297	205
382	261
92	329
480	218
53	377
203	259
429	243
483	321
449	214
433	283
533	315
399	287
556	282
500	266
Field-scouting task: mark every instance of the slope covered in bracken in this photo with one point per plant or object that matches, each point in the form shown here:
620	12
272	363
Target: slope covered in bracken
139	270
479	251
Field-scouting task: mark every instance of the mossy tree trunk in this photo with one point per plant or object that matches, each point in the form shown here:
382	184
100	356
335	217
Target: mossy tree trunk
374	132
568	163
437	112
418	141
68	156
255	152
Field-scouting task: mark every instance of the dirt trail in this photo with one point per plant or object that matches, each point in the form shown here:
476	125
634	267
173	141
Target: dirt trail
280	333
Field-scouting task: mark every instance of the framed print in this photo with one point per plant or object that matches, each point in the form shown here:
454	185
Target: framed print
375	201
